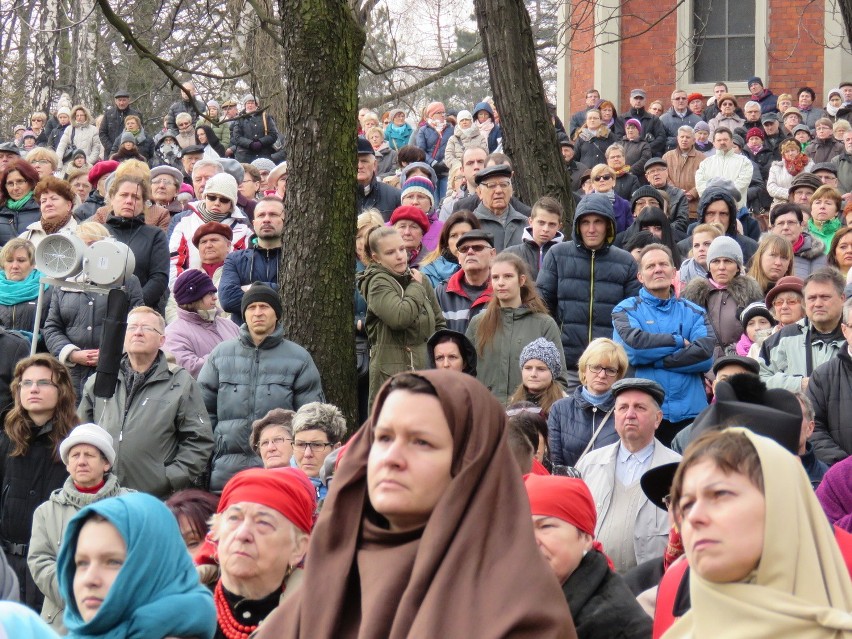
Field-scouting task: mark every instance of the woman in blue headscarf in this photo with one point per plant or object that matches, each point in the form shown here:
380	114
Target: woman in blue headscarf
124	571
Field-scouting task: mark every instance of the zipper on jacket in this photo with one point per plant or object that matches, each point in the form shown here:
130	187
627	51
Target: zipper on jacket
591	297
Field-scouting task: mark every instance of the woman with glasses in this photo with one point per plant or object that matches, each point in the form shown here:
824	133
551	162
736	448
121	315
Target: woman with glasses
786	301
44	161
20	208
30	467
272	438
592	140
318	429
603	181
584	421
38	121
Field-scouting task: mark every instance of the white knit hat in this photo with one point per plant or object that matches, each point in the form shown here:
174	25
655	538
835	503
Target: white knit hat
222	184
91	434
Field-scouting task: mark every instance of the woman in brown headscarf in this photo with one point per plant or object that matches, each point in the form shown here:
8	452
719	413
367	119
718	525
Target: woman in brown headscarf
424	531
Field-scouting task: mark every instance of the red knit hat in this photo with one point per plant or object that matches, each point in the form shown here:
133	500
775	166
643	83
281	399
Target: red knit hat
694	96
564	498
287	490
102	168
411	213
755	132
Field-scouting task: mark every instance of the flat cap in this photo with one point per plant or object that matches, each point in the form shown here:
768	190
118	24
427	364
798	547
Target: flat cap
751	365
648	386
498	170
475	234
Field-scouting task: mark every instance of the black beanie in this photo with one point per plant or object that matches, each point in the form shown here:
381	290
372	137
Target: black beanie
260	292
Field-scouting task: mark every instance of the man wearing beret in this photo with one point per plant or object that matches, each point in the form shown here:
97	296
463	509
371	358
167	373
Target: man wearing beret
245	378
630	527
495	211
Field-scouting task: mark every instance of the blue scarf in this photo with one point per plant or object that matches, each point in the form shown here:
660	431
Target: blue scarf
26	290
156	592
595	400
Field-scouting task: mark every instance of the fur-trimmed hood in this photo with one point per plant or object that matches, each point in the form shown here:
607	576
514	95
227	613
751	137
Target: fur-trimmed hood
743	289
812	248
88	113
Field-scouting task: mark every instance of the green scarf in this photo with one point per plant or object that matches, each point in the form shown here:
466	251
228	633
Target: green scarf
12	293
17	205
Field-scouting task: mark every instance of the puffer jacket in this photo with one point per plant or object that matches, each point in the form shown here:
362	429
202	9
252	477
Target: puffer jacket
49	523
457	308
253	264
581	286
85	137
572	422
254	127
809	257
498	365
112	126
460	141
401	316
191	339
532	253
162	434
724	307
830	390
75	321
241	382
823	150
151	250
731	165
13	223
434	144
652	332
21	316
748	245
784	356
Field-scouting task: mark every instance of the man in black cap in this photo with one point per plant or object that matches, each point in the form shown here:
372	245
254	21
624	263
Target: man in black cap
657	174
372	192
495	211
772	128
245	378
566	147
630	527
468	291
8	152
827	173
653	131
112	124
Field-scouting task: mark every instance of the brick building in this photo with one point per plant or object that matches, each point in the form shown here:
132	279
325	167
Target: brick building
659	45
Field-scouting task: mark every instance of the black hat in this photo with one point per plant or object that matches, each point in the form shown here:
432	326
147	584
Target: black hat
831	167
744	400
751	365
9	147
475	234
364	146
498	170
260	292
641	384
657	483
121	93
564	140
769	117
655	162
192	148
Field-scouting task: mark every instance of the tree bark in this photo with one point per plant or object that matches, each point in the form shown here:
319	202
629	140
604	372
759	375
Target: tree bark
529	136
845	7
322	45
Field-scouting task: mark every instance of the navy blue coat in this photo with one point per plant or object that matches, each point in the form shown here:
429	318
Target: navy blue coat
572	422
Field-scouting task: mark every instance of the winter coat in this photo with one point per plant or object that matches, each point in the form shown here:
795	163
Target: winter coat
768	101
748	245
401	316
730	165
720	120
507	229
378	195
809	257
460	141
625	184
636	153
88	208
398	137
241	268
581	287
439	271
191	339
572	422
672	121
495	135
162	434
682	168
653	131
591	149
651	528
21	316
823	150
497	363
112	126
56	135
250	128
194	106
830	391
844	172
457	308
785	360
13	223
155	215
241	382
35	233
653	332
387	161
601	604
434	144
13	348
75	321
724	307
151	250
532	253
49	523
764	159
778	184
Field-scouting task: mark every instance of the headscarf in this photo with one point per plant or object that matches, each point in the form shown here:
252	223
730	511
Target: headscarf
19	621
286	490
800	589
156	592
475	568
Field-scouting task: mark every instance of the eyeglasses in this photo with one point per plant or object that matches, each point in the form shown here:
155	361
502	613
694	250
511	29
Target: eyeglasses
778	303
217	198
277	441
315	447
183	125
472	248
13	183
603	178
40	162
505	184
532	410
141	327
163	182
610	372
39	383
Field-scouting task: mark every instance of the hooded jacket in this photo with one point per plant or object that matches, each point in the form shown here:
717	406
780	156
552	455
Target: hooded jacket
496	134
581	286
748	245
456	307
532	253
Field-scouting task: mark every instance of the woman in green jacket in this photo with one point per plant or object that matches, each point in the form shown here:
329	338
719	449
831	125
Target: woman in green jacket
402	310
515	316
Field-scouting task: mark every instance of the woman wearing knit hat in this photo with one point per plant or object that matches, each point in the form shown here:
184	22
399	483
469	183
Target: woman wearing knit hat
636	150
695	102
757	323
200	324
724	293
411	224
466	136
541	366
432	137
419	191
88	455
564	518
398	132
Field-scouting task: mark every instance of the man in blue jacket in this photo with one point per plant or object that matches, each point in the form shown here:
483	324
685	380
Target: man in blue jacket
668	340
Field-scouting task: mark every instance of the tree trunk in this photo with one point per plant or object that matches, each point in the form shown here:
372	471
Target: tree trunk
322	46
44	68
529	137
845	7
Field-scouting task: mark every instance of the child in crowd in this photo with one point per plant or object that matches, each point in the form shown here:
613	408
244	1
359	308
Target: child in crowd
541	235
540	366
757	324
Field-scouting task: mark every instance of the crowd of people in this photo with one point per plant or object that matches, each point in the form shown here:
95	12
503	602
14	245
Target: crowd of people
639	420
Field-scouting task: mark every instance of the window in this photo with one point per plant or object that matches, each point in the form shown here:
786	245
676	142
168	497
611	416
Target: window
723	36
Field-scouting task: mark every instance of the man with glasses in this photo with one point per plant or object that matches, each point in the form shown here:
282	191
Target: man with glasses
787	220
318	430
495	211
244	378
653	131
112	124
677	116
468	291
156	415
667	339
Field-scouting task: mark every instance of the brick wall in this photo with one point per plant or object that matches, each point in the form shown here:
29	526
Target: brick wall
582	61
795	47
648	55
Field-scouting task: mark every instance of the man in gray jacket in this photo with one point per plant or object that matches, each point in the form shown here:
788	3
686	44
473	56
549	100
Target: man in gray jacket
245	378
160	428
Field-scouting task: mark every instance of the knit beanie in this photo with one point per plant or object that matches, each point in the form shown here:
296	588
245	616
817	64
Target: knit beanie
263	164
701	126
64	111
418	184
91	434
755	132
260	292
434	107
756	309
222	184
645	191
211	228
412	214
192	285
634	122
464	114
127	136
213	103
724	246
545	351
